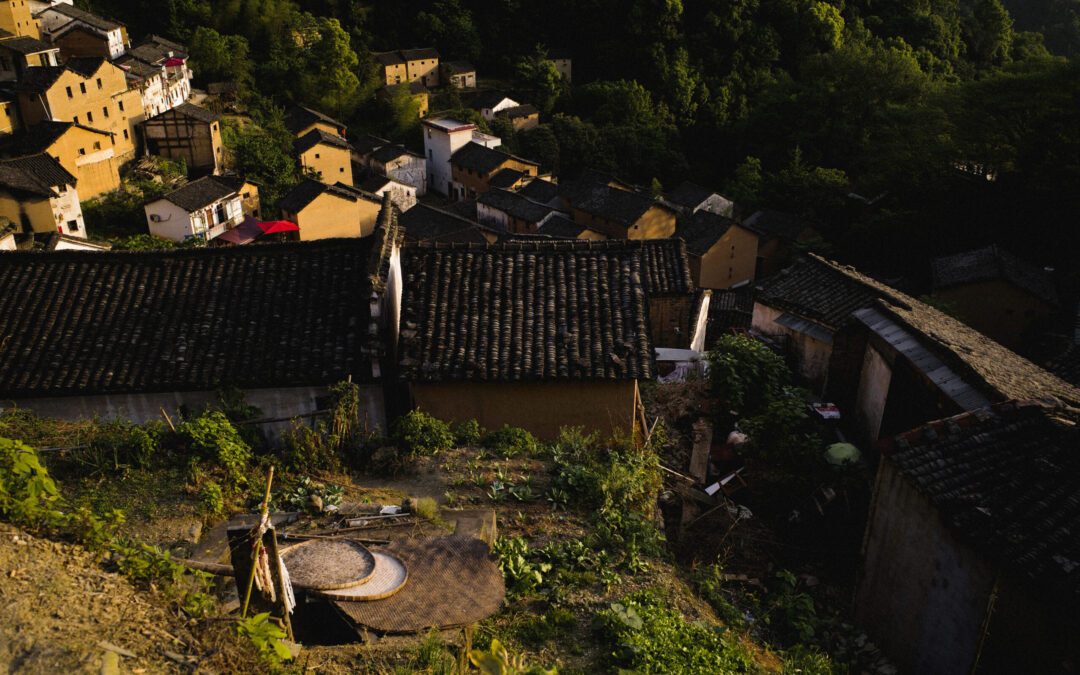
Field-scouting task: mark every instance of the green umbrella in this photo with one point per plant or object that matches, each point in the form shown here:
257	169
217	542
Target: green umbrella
842	453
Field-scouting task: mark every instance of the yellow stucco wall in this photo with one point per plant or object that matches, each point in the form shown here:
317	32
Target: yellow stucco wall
477	183
94	177
655	223
16	19
98	107
9	117
540	407
328	128
424	68
335	164
330	216
730	260
39	211
395	73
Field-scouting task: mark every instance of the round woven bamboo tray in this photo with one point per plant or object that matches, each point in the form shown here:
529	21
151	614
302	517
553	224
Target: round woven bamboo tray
328	564
389	577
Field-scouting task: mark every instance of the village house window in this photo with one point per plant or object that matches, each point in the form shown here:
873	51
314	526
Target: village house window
73	225
82	87
82	151
125	134
70	95
316	155
76	119
732	251
97	145
99	83
90	117
730	272
105	110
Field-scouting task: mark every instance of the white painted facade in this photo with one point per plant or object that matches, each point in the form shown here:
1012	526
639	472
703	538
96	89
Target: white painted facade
410	170
7	241
442	138
68	212
403	196
489	113
169	221
53	23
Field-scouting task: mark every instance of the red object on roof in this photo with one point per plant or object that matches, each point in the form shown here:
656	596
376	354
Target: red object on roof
174	62
274	226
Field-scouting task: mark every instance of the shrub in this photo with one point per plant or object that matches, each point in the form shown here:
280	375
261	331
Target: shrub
117	445
211	501
266	636
426	508
304	449
468	433
418	433
745	374
212	436
511	441
28	495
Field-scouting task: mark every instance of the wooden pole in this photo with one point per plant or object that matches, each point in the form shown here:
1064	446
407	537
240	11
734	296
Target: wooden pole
171	426
279	583
258	544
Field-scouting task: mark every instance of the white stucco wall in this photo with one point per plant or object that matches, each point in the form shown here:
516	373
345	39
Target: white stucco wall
874	381
66	208
172	221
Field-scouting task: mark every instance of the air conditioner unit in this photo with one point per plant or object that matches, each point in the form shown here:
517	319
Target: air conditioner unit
155	218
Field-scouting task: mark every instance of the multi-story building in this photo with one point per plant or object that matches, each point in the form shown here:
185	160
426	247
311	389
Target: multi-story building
38	195
157	68
86	153
188	131
203	208
410	65
60	19
442	138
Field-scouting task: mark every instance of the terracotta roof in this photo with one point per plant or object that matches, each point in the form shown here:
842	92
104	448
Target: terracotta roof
828	293
702	230
688	194
1006	481
525	311
993	263
298	118
426	223
34	175
255	316
26	45
196	112
482	159
525	110
89	19
317	137
514	205
540	190
770	224
199	193
506	178
618	206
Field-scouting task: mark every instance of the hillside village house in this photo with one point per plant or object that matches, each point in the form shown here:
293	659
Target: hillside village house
688	198
510	212
508	179
187	132
970	559
80	33
474	164
323	211
442	138
38	195
86	153
537	335
327	154
85	90
159	330
543	192
723	253
619	213
401	195
16	19
459	74
559	226
203	208
778	234
563	62
394	161
891	361
409	65
522	117
423	223
300	120
157	69
488	103
19	53
996	292
248	191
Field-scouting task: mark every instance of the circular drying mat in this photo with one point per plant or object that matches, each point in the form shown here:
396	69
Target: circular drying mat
328	564
390	575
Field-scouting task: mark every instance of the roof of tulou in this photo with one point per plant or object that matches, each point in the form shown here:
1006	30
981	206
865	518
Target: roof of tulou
525	311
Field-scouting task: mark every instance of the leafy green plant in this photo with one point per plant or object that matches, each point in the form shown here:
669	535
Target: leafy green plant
266	636
299	497
28	495
468	432
745	373
522	575
213	436
117	445
418	433
426	508
558	498
211	501
497	660
511	442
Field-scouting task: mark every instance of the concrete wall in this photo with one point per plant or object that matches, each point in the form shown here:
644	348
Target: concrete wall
997	309
812	356
922	595
282	402
439	146
540	407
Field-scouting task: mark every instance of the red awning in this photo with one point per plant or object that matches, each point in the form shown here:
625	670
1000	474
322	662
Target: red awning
174	62
275	226
244	233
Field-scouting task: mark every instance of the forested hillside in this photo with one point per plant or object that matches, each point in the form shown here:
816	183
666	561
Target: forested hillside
966	125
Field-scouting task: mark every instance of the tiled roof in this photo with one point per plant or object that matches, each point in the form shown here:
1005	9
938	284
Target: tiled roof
506	178
486	99
85	65
561	227
319	136
514	205
390	58
770	224
368	143
375	183
730	308
298	118
39	78
35	175
618	206
255	316
828	293
308	189
482	159
155	49
540	190
992	263
688	194
199	193
390	152
1005	480
525	311
459	67
525	110
26	45
82	15
702	230
420	53
196	112
38	138
426	223
1067	365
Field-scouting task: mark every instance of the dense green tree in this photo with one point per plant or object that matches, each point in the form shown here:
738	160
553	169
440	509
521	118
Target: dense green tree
262	151
536	74
216	57
449	27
